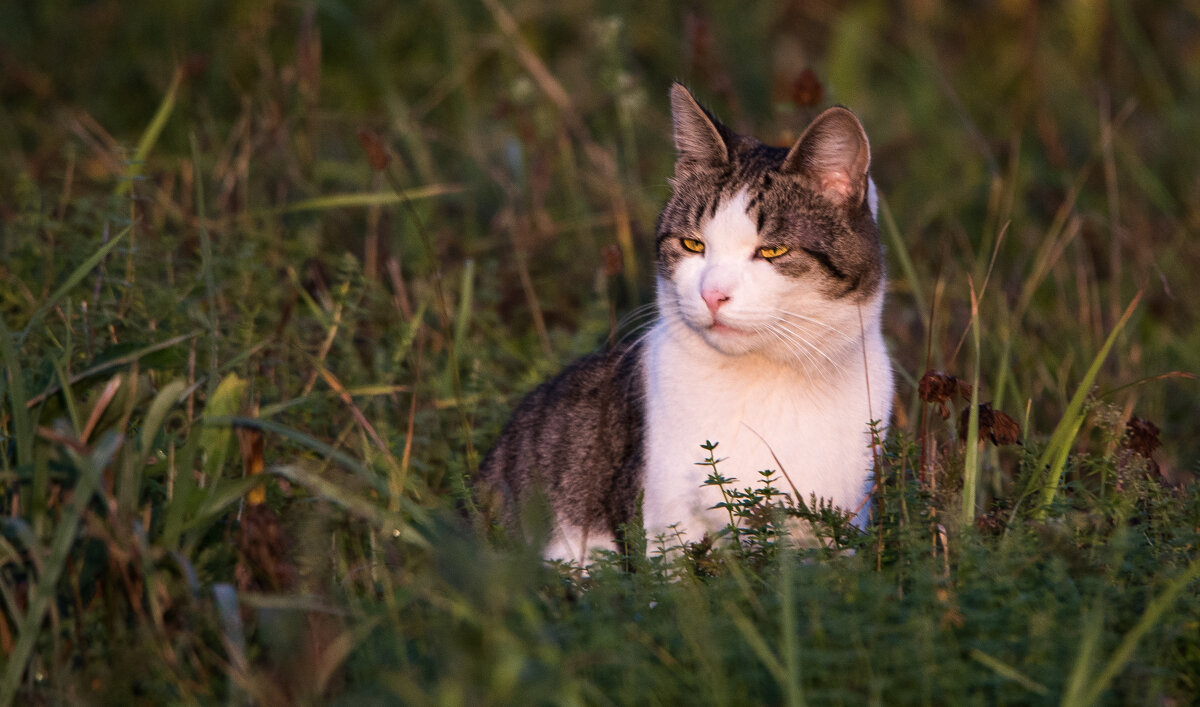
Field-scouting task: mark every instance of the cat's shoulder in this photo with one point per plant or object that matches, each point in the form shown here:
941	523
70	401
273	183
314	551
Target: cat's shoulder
598	373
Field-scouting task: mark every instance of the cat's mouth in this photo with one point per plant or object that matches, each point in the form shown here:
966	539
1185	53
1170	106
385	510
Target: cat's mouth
718	328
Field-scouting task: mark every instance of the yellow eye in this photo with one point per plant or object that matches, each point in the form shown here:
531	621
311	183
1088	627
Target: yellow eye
769	252
692	244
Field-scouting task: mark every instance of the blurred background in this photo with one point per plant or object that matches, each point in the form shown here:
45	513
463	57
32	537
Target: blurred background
374	225
1049	146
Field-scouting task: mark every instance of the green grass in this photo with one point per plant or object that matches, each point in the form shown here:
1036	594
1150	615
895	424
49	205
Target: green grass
202	252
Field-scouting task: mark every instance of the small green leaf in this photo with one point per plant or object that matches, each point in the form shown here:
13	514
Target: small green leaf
216	439
162	404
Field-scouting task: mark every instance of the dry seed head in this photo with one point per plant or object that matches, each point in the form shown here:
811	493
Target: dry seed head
377	156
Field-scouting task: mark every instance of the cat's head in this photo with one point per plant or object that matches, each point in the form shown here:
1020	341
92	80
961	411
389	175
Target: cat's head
770	249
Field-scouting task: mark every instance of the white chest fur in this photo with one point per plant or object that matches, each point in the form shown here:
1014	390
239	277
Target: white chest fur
758	411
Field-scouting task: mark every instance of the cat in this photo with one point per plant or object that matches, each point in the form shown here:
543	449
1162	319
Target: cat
769	290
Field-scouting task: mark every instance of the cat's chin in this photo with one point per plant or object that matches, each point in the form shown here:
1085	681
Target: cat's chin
733	342
728	340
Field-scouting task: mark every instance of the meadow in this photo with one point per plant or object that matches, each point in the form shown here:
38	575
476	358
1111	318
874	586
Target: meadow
272	276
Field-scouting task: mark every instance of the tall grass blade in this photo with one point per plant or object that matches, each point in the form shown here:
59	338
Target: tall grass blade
151	134
367	199
206	266
757	643
352	502
971	464
219	497
117	362
233	635
1092	688
22	426
167	397
326	451
459	474
787	671
69	284
792	690
9	555
899	249
1089	644
90	468
1046	476
64	384
1005	670
462	317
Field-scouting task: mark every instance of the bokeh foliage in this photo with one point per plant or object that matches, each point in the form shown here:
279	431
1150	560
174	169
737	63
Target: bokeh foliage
239	259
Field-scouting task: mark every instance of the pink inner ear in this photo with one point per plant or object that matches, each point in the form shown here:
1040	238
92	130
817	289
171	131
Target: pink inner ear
837	184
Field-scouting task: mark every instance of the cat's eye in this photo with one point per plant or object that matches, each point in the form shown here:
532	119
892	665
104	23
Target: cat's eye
769	252
692	244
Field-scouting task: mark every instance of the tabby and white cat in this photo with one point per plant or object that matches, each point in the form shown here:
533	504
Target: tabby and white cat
770	286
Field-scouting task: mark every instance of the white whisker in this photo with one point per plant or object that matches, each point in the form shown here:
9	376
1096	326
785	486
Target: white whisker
818	322
803	356
800	351
799	337
644	311
637	322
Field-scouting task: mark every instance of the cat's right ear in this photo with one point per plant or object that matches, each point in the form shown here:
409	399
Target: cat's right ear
698	136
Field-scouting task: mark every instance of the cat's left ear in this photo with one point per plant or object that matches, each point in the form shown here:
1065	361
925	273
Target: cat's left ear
833	153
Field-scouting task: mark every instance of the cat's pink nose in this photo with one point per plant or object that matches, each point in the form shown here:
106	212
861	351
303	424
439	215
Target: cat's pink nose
714	298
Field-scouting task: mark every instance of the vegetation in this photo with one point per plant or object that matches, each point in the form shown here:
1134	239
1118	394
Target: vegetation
273	274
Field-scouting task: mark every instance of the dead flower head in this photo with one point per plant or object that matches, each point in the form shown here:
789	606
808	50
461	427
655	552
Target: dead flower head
938	387
995	425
